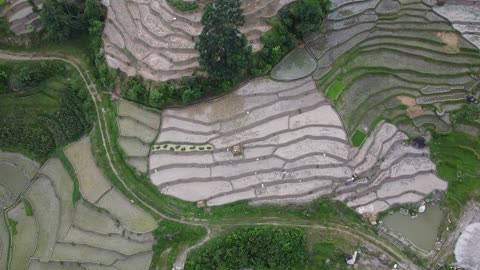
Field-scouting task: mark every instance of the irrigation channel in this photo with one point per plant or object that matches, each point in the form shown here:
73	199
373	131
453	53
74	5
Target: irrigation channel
366	237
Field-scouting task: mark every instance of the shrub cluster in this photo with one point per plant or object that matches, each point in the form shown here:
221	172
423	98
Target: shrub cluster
183	5
22	77
252	248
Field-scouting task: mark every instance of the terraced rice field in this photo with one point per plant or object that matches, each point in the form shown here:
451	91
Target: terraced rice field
138	128
80	235
24	241
295	149
383	51
153	39
96	189
92	182
20	16
16	172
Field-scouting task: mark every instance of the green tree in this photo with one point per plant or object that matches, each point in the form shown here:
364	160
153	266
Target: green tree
305	16
224	51
57	19
92	12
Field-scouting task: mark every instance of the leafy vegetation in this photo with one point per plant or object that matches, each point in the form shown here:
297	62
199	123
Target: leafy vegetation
63	19
12	223
171	238
469	114
252	248
326	255
304	16
41	107
457	156
183	5
28	208
224	51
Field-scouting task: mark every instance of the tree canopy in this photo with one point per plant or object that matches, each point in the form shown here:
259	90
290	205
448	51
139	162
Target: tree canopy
62	19
252	248
224	51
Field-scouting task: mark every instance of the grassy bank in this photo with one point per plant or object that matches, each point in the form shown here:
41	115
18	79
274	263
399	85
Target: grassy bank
457	156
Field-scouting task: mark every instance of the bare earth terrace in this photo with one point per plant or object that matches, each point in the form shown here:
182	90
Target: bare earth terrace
153	39
295	149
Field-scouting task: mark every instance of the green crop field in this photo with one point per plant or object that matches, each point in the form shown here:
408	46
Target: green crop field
358	138
41	107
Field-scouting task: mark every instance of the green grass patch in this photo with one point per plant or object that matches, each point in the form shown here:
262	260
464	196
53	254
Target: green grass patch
457	156
264	247
2	2
28	208
326	256
176	237
334	91
183	5
13	225
358	138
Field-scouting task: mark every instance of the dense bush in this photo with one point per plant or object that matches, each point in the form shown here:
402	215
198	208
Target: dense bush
64	19
183	5
252	248
185	91
305	16
29	75
278	41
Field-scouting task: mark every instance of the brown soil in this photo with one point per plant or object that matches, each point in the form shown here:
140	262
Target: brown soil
300	44
451	41
413	109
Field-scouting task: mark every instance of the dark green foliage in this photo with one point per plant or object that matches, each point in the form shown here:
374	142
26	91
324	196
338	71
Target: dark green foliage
4	28
189	95
31	75
183	5
252	248
224	52
163	94
33	5
92	12
47	111
135	90
278	41
305	16
59	19
64	19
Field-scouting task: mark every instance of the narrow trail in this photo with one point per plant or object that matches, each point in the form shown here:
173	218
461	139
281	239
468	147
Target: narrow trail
405	263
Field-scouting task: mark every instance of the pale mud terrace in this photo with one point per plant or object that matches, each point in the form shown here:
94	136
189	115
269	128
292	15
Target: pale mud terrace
153	39
295	150
464	16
